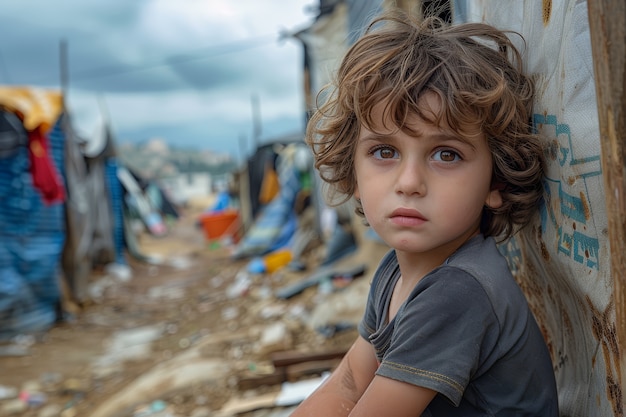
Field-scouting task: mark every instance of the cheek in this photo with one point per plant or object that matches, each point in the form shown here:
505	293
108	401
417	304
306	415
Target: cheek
464	201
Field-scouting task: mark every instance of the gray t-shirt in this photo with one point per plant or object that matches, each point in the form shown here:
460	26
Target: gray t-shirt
465	331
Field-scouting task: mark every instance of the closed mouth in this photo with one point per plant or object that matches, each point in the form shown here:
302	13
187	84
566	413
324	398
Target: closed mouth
408	213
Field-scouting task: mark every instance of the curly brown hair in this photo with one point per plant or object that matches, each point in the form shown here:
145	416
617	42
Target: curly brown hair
476	72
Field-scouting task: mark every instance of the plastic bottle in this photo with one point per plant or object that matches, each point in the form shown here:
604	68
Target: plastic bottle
276	260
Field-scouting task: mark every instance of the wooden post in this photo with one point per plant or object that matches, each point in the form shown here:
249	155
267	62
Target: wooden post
64	69
256	120
607	25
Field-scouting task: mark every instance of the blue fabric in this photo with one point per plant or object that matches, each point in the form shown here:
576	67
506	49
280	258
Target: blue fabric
32	236
28	290
222	202
277	222
116	194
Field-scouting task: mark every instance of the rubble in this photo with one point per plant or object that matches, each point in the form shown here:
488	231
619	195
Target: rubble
203	337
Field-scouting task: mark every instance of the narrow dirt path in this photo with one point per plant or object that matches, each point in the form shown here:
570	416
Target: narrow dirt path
138	326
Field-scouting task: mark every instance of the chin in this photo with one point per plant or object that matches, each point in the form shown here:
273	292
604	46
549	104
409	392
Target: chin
404	245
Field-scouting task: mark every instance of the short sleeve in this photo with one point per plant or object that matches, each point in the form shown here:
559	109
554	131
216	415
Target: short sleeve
368	323
442	333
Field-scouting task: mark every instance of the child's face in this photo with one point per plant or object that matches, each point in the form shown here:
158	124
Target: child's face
423	193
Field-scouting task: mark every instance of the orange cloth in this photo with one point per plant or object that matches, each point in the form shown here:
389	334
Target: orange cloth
36	107
270	186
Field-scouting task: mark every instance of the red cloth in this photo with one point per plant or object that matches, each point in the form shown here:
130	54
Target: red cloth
45	176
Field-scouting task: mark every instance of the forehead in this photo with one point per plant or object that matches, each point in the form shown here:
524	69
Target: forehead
431	115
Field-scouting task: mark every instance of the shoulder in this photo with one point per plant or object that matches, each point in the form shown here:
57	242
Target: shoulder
477	276
481	259
451	289
479	256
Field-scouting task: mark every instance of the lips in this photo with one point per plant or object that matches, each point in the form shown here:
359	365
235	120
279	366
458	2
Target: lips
406	212
407	217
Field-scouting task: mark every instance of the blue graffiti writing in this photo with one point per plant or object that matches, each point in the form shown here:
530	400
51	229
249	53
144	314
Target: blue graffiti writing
560	204
562	129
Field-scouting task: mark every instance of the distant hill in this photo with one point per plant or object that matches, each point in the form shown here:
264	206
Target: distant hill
155	159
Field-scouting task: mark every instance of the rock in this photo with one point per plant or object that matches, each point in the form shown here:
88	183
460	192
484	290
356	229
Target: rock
180	372
13	407
275	337
50	410
7	393
76	386
201	412
70	412
347	305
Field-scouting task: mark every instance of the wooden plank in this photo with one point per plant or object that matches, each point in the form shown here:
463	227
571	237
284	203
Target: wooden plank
239	405
292	357
246	383
300	370
607	25
290	373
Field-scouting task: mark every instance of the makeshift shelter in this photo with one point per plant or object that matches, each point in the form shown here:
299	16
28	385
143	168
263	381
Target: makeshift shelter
157	197
260	169
94	210
32	224
104	197
278	193
60	209
337	26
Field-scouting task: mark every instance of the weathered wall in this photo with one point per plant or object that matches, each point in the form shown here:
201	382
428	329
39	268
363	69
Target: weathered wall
563	262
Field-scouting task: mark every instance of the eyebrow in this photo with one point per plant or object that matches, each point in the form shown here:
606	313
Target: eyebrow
437	137
376	136
448	137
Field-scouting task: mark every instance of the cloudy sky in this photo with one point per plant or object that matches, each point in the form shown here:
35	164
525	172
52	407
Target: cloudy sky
187	71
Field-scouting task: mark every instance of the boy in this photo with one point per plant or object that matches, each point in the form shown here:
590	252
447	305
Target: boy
428	129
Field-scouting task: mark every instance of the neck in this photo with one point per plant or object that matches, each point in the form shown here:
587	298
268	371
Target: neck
414	266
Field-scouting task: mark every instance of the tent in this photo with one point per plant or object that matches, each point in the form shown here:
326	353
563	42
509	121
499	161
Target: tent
277	179
60	210
32	224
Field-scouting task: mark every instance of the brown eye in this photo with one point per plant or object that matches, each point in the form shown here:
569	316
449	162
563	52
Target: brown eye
447	156
387	153
384	152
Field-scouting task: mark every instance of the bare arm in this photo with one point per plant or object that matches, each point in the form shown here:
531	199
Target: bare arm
354	390
340	392
388	397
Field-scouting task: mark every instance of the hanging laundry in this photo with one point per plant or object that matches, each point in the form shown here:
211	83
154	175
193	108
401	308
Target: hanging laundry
46	178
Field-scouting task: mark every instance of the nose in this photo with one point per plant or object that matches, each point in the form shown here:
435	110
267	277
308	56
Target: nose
411	178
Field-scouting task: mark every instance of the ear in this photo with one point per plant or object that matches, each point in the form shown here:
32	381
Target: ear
494	198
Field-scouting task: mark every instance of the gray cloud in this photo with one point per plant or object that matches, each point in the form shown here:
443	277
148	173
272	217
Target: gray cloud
178	70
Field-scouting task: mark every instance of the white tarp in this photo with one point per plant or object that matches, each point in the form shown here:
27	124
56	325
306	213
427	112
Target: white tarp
563	262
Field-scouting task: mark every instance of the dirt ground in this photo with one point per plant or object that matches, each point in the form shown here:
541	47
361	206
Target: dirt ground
190	300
